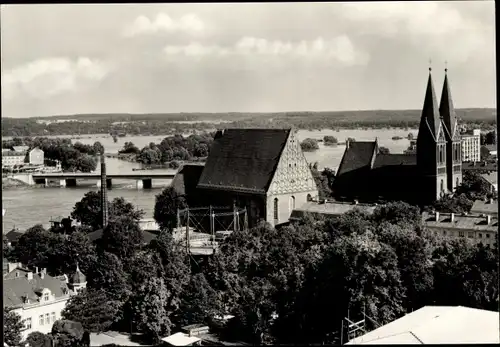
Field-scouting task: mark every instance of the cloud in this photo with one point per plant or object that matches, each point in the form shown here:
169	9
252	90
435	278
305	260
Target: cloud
142	25
44	78
339	49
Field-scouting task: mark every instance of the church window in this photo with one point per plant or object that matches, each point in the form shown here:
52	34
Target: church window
458	182
275	209
442	186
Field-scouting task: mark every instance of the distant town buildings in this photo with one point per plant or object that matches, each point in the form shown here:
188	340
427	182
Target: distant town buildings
12	158
39	298
36	156
471	145
367	175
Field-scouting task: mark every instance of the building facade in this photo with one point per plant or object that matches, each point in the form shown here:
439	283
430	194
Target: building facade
471	145
474	228
39	298
36	156
262	170
12	158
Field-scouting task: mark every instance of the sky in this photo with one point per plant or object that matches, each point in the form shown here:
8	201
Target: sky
262	57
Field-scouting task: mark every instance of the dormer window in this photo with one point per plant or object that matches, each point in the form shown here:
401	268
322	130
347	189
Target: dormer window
46	297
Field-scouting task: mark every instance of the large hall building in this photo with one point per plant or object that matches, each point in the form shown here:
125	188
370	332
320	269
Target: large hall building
366	175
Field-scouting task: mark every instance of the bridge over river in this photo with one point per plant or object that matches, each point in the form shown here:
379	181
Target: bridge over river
143	179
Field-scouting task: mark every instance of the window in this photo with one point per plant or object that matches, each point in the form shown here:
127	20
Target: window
40	320
444	232
442	186
309	198
47	318
480	235
292	203
275	209
458	182
46	297
53	317
27	323
470	235
487	236
461	234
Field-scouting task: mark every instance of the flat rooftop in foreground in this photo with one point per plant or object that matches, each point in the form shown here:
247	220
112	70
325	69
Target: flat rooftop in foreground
437	325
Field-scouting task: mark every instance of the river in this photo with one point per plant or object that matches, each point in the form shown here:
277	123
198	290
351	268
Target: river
28	206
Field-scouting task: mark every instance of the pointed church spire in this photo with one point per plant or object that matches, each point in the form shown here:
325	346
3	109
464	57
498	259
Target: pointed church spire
430	119
447	111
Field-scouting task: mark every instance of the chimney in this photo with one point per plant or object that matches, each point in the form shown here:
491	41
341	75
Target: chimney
36	269
347	143
42	275
355	202
437	216
452	217
490	200
488	219
29	275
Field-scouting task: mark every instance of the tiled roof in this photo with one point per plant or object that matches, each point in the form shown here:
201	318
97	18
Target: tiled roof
357	156
17	287
13	235
481	206
147	235
489	166
331	209
243	159
468	222
78	277
437	325
186	179
447	111
394	160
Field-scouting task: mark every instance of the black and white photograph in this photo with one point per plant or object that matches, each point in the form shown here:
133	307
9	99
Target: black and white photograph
240	174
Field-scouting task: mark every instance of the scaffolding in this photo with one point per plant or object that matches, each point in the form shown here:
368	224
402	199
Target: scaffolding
354	329
202	224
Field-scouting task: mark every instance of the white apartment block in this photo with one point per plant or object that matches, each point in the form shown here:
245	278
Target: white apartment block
471	146
481	228
39	298
11	158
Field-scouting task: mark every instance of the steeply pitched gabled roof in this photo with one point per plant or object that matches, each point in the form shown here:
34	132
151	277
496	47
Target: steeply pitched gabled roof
243	159
13	235
447	111
430	121
186	179
358	155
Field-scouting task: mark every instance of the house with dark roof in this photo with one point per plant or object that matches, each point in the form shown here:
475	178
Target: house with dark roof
12	237
38	297
435	169
263	170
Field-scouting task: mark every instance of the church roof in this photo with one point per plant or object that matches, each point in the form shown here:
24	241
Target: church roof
430	121
356	156
447	111
78	276
243	159
394	160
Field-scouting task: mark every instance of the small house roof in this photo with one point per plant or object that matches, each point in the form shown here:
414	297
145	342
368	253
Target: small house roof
180	339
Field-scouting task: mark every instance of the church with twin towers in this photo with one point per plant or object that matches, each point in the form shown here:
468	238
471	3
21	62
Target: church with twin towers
367	175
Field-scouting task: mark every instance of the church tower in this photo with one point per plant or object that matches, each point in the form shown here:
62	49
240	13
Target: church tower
452	135
431	149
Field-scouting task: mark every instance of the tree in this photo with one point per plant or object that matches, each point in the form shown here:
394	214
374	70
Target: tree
383	150
108	274
129	148
98	148
149	156
149	303
95	309
309	145
66	333
458	203
88	210
166	206
330	140
34	247
38	339
121	237
410	136
398	213
12	327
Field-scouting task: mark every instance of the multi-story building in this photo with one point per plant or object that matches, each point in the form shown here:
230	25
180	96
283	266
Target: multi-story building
12	158
39	298
36	156
471	145
475	228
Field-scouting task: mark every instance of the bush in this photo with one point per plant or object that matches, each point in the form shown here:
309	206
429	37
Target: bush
309	145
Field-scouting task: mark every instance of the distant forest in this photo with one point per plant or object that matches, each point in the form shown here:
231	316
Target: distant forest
168	123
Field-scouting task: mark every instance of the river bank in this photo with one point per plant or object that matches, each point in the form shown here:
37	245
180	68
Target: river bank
9	182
